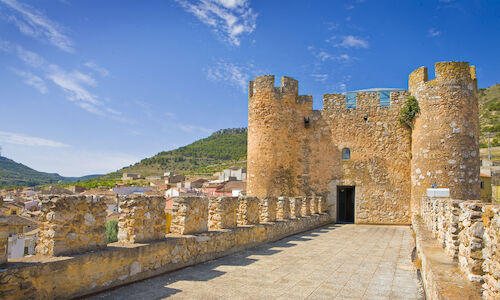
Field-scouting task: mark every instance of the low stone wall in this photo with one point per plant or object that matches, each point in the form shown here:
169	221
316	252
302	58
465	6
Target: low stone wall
267	209
322	205
142	219
295	207
4	235
69	277
469	231
314	205
306	206
190	215
283	209
248	210
71	224
222	212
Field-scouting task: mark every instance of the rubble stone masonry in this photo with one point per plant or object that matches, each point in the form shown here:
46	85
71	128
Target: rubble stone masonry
248	210
283	208
4	235
222	212
294	150
469	231
71	224
42	277
142	219
267	209
295	207
190	215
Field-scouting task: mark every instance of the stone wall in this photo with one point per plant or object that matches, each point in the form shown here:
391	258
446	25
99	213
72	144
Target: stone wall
80	275
267	209
445	147
314	205
469	231
294	150
322	205
248	210
283	208
306	206
142	219
71	224
222	212
4	231
190	215
295	207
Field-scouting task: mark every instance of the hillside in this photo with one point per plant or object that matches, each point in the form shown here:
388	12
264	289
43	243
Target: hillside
222	149
16	174
489	115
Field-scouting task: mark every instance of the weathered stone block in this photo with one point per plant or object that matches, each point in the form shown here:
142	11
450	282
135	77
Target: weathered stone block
142	219
248	210
267	208
295	207
314	204
306	206
322	205
4	235
71	224
222	212
283	208
190	215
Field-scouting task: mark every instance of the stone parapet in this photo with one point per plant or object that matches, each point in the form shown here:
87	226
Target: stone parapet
142	219
322	204
491	252
267	209
71	224
4	235
222	212
306	206
470	254
74	277
469	231
190	215
248	210
283	208
295	207
314	205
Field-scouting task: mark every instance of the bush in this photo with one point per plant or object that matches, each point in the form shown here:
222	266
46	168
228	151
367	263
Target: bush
409	111
112	231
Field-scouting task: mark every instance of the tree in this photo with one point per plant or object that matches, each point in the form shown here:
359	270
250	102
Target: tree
112	231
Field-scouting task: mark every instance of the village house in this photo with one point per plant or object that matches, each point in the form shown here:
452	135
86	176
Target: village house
171	177
131	176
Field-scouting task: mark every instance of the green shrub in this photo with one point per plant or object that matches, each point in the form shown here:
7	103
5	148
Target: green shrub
112	231
409	111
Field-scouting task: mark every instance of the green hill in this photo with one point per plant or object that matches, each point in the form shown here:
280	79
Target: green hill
489	115
222	149
13	174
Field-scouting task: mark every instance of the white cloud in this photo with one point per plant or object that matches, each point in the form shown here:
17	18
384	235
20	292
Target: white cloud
192	128
320	77
34	23
20	139
30	58
233	74
93	66
230	18
324	56
433	32
33	80
350	41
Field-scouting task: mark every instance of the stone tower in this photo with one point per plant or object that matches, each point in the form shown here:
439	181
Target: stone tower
445	139
277	119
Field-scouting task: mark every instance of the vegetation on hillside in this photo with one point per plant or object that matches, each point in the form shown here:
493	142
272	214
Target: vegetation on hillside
222	149
489	115
13	174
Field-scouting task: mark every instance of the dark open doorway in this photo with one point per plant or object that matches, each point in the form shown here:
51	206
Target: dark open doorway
345	204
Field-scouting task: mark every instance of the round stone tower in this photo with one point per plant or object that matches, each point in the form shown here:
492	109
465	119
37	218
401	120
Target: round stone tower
275	128
445	139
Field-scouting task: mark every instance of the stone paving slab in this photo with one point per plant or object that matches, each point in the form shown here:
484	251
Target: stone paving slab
331	262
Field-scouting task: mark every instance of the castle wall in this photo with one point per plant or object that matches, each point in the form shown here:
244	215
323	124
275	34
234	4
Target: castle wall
445	148
379	166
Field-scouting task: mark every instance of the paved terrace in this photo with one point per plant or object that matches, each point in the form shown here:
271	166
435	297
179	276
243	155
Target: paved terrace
332	262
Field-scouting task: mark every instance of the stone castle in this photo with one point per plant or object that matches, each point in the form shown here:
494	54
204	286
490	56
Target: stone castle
357	143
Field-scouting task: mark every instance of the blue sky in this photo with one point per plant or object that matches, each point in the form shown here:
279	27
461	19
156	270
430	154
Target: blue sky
91	86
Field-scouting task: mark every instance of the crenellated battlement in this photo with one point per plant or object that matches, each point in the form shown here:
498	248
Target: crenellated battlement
447	73
288	87
203	229
364	101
